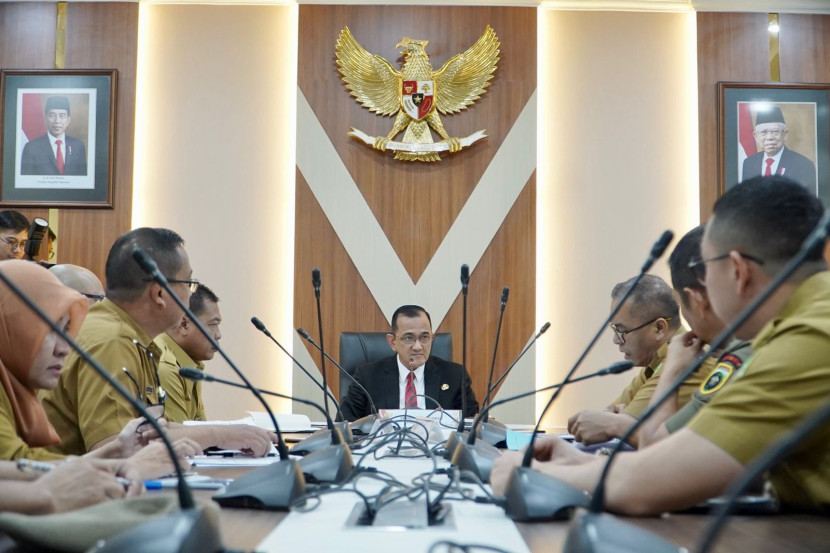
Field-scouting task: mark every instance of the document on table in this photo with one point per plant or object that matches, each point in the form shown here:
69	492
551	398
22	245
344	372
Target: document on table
288	422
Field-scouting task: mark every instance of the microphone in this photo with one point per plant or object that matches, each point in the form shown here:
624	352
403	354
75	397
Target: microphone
593	530
504	293
286	475
478	457
323	437
496	433
191	528
363	424
316	281
318	466
760	465
657	250
465	282
524	500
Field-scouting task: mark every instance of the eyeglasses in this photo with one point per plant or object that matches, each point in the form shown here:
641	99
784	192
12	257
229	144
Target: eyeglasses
15	243
96	297
410	339
193	284
700	264
774	134
621	333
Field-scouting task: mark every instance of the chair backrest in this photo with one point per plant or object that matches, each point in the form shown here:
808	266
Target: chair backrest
359	348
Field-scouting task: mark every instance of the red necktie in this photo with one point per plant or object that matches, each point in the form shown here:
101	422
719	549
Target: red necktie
768	170
59	157
410	399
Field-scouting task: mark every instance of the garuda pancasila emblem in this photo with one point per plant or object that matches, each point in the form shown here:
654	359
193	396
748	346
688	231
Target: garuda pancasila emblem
416	93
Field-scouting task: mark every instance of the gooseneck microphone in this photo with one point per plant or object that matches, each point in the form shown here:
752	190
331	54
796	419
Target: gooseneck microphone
504	294
262	328
315	282
593	530
286	475
465	283
478	457
333	434
190	529
320	466
363	424
496	434
759	466
531	495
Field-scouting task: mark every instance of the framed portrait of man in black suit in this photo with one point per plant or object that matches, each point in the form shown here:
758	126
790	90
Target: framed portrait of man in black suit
58	137
775	129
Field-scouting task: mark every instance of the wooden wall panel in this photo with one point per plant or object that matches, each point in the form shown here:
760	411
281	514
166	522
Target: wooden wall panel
27	41
730	47
98	35
735	47
417	203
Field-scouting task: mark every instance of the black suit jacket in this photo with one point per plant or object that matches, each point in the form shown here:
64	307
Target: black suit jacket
38	158
792	165
381	381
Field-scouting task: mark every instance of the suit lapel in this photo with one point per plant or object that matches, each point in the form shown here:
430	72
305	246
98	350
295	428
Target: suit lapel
390	383
47	152
432	383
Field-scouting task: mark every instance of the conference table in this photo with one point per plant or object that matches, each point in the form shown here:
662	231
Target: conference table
246	529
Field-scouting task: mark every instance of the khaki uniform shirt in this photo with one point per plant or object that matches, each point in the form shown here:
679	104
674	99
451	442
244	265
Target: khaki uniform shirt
184	397
736	354
637	395
12	445
83	408
787	379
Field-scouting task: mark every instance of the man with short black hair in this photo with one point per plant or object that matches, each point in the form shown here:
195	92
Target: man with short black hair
118	333
643	326
757	227
687	274
185	346
409	377
14	232
55	153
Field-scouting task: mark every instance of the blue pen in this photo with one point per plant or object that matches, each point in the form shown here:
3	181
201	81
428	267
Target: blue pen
152	484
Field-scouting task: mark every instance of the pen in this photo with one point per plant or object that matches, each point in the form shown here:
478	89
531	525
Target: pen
36	467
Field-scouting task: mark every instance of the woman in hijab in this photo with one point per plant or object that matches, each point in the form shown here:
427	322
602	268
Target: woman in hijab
31	358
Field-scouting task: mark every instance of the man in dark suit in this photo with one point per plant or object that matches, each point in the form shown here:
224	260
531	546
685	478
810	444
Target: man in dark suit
776	158
403	379
55	153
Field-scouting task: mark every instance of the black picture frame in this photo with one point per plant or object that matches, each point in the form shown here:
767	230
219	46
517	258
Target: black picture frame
806	110
29	177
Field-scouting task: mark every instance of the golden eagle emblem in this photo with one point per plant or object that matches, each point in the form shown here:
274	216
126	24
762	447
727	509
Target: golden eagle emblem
416	93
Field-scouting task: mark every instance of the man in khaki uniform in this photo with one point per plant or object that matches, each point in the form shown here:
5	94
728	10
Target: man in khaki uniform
118	333
687	274
642	328
756	228
185	346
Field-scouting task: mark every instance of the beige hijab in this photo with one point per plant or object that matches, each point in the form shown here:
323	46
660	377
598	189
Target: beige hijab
21	335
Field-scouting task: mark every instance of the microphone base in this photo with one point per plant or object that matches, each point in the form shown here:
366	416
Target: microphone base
454	439
274	488
333	464
345	431
364	425
477	458
604	533
494	433
322	439
188	531
532	496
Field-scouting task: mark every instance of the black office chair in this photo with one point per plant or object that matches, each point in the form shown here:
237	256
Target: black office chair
359	348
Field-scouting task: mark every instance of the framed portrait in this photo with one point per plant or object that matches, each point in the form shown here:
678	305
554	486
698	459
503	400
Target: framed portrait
58	137
775	129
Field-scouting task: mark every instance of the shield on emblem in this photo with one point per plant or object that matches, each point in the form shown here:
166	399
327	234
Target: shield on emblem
417	98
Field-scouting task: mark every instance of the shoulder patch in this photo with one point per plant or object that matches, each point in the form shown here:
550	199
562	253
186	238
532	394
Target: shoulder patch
720	375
